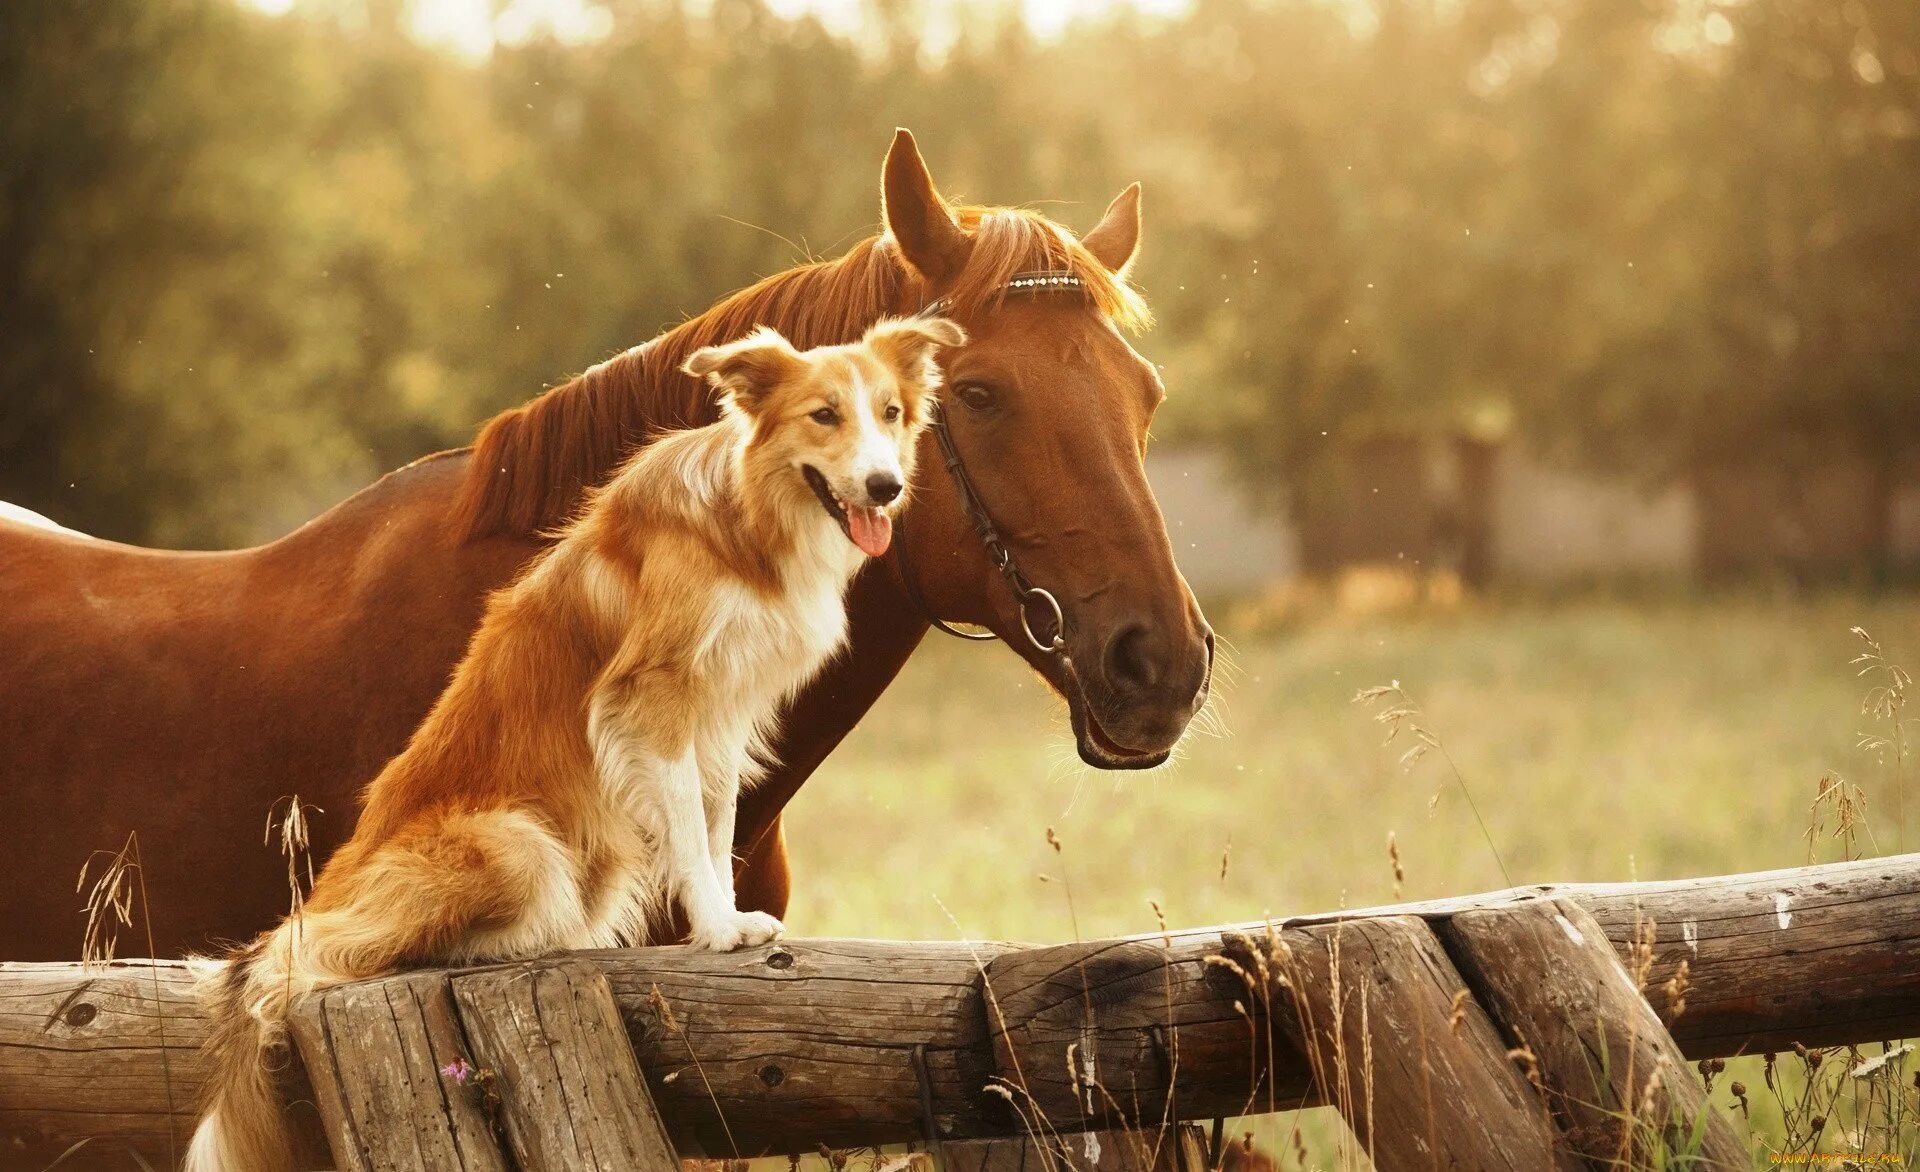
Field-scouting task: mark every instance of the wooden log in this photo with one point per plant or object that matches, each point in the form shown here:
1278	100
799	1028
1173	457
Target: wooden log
1403	1052
807	1042
1610	1070
821	1049
572	1096
1822	956
1181	1148
108	1054
376	1053
1125	1033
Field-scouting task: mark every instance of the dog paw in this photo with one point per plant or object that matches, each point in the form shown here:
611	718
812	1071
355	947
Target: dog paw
736	930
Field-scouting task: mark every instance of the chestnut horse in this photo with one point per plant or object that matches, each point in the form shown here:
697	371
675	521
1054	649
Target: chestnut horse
180	695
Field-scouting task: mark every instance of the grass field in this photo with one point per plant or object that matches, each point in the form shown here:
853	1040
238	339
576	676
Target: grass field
1602	740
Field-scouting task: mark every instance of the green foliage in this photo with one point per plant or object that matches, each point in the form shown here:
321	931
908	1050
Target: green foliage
248	262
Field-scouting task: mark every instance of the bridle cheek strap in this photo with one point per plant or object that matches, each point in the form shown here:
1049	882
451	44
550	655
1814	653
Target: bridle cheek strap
1032	599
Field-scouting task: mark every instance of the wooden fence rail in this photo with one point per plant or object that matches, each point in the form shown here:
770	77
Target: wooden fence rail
854	1042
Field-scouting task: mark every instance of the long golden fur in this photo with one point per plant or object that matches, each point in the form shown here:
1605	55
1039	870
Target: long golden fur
581	770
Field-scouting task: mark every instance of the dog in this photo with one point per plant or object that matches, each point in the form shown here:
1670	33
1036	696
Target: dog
579	776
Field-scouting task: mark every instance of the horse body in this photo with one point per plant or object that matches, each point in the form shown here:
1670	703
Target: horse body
181	695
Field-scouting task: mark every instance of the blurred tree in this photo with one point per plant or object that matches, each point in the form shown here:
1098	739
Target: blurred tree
248	262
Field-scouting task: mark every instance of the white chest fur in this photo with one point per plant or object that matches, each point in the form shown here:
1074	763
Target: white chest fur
767	646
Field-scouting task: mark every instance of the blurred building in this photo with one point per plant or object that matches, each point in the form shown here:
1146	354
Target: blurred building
1500	512
1224	543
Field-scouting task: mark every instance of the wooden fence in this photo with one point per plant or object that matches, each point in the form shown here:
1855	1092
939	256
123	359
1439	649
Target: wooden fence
622	1059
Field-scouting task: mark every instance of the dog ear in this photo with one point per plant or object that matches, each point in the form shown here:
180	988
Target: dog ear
747	370
908	344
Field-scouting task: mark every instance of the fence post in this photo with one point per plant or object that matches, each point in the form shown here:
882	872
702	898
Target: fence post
375	1054
1608	1066
572	1094
1401	1049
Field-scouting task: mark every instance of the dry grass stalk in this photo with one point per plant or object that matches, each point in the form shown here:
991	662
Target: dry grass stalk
289	825
110	908
1677	992
1848	805
664	1011
1396	710
1886	701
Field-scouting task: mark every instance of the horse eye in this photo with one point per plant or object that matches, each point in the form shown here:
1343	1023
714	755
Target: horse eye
893	412
973	396
825	417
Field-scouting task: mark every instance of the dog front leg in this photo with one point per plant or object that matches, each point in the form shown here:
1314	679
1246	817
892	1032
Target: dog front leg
720	788
646	753
713	921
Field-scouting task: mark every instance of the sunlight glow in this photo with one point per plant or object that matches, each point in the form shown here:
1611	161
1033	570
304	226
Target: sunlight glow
472	28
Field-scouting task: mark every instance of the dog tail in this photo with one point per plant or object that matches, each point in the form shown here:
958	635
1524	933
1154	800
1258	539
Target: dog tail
243	1127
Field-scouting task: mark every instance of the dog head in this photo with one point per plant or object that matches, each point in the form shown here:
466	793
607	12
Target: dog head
835	425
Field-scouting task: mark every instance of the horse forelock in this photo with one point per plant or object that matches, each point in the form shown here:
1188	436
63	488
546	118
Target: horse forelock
531	465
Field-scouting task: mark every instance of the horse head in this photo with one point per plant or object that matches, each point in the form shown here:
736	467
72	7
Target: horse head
1032	516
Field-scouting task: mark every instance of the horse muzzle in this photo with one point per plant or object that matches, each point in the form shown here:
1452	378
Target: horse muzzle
1133	702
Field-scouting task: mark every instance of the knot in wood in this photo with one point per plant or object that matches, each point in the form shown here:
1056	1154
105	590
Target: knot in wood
81	1014
779	958
772	1075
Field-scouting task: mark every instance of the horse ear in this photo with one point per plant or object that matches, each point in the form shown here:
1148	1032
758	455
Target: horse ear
747	370
1115	240
915	215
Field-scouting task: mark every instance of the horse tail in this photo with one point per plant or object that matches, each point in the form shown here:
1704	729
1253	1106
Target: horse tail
243	1127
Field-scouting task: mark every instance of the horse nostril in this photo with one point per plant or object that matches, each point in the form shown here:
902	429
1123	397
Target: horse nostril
1135	658
882	487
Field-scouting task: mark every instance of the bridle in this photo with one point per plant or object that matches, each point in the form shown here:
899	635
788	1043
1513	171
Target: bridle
1024	591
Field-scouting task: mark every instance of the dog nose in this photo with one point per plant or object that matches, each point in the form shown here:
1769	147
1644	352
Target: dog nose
882	487
1136	659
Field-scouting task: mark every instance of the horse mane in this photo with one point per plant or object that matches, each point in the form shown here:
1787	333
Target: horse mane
532	464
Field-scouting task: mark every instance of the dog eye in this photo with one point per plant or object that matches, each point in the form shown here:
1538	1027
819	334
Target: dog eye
974	396
892	412
825	417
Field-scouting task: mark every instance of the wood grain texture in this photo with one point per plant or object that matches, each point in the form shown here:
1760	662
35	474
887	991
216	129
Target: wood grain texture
375	1052
1181	1148
1610	1070
780	1048
109	1054
803	1042
1822	955
572	1096
1408	1058
1122	1033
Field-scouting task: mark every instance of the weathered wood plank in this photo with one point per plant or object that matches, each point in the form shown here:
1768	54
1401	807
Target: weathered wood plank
1181	1148
375	1053
821	1049
110	1053
805	1042
572	1095
1608	1067
1819	955
1407	1057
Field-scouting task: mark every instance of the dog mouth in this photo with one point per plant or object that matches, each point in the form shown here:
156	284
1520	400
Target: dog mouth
870	529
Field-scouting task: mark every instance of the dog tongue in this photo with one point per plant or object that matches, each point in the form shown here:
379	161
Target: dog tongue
871	530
